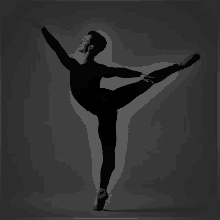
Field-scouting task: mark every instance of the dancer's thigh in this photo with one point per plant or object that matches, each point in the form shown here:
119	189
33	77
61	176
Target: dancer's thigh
124	95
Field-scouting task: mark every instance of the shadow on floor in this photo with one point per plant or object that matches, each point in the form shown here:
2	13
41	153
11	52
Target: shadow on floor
193	212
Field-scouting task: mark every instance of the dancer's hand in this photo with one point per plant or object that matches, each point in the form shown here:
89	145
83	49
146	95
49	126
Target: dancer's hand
191	59
34	23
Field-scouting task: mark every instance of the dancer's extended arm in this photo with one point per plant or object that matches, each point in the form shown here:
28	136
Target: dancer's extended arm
65	59
121	72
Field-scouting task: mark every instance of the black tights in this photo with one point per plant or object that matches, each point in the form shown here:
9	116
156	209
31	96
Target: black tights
107	135
108	167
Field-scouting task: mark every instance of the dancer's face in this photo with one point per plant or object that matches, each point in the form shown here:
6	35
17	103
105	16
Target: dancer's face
85	44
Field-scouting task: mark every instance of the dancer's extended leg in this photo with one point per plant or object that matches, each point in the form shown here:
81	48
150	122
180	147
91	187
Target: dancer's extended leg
124	95
159	75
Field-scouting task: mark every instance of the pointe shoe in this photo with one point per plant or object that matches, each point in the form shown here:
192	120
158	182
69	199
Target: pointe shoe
101	199
191	59
108	199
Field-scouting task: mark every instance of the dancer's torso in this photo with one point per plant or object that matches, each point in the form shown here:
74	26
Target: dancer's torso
85	84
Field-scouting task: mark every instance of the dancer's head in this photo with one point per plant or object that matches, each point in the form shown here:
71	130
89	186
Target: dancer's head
93	43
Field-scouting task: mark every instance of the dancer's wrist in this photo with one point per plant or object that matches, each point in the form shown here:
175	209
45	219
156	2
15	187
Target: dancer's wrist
180	66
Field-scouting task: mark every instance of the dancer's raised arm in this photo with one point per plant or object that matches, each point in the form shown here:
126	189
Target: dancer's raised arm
65	59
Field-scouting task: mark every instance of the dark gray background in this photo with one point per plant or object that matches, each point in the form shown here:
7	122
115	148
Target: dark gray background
171	157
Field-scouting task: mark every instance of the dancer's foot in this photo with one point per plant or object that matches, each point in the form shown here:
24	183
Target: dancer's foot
101	198
191	59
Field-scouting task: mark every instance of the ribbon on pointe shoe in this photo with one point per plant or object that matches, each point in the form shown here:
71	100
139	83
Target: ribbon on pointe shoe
101	199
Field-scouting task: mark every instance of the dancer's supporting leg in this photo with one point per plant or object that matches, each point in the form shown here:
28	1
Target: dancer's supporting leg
107	134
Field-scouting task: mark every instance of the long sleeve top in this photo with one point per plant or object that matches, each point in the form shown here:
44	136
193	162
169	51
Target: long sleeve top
72	64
